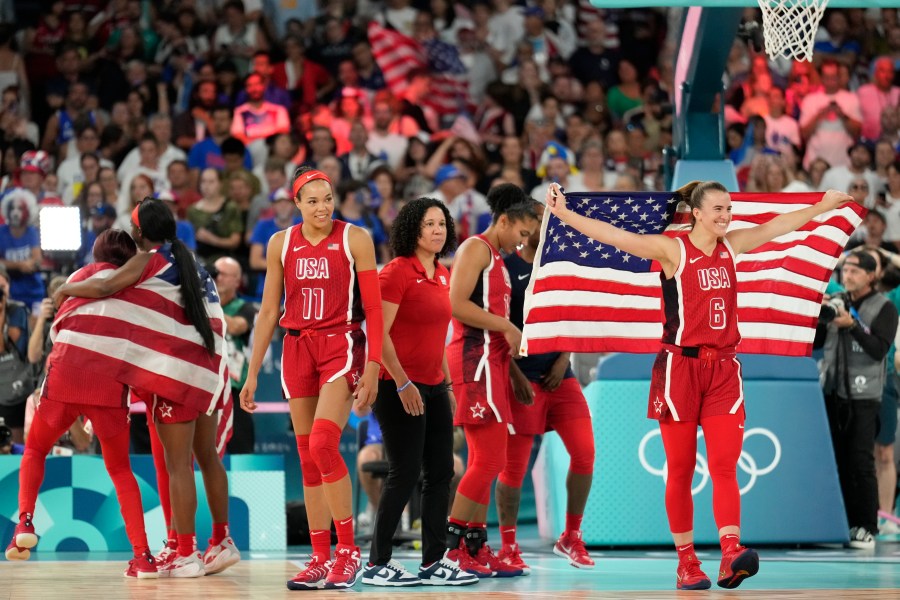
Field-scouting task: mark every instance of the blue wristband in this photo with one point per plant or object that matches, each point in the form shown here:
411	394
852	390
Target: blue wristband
405	385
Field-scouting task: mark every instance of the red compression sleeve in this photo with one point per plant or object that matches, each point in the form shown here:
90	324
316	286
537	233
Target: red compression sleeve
371	299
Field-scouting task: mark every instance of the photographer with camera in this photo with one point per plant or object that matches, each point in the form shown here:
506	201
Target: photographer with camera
859	327
17	376
6	442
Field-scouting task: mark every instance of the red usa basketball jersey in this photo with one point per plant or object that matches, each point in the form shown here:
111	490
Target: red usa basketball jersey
700	300
320	285
471	346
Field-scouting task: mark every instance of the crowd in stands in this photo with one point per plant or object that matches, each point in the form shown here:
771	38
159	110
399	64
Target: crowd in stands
211	105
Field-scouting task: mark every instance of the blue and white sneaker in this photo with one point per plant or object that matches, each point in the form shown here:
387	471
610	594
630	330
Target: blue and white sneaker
446	572
392	574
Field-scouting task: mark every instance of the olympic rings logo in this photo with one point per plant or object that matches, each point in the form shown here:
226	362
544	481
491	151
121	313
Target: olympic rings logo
746	462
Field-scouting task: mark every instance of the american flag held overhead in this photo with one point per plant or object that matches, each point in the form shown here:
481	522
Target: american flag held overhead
585	296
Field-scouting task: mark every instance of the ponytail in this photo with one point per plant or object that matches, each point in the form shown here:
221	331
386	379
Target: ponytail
192	293
157	224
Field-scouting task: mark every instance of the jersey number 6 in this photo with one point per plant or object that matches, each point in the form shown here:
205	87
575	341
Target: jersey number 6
717	316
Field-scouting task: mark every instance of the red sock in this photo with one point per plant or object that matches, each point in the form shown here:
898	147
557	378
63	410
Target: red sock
172	541
118	465
685	552
321	543
219	533
344	530
573	522
508	535
729	541
187	544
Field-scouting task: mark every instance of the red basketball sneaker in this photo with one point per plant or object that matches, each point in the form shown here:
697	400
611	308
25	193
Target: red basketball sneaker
690	576
486	558
23	540
571	546
142	567
512	555
461	555
346	569
313	576
738	564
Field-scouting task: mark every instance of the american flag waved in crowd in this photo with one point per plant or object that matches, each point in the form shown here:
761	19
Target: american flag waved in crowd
586	296
397	55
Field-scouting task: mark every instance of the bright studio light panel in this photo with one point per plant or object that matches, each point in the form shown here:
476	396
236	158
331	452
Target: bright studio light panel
60	229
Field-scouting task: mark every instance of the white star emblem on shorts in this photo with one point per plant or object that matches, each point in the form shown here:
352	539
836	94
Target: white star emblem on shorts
165	410
658	404
355	378
477	411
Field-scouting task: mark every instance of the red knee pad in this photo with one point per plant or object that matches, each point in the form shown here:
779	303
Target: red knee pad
308	467
518	451
324	446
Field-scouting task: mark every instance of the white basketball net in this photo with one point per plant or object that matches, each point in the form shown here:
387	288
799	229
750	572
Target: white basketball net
789	26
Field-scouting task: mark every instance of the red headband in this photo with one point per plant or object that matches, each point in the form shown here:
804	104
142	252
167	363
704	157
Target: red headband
305	178
134	215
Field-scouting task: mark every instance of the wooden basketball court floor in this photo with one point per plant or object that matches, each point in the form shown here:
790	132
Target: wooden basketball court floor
628	574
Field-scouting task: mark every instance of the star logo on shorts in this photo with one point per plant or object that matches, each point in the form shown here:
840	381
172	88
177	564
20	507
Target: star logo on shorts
165	411
658	404
355	376
477	411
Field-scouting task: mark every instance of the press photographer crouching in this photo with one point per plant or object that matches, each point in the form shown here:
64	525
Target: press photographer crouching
859	327
17	375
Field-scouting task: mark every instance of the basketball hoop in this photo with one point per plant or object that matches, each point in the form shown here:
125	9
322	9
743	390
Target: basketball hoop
790	26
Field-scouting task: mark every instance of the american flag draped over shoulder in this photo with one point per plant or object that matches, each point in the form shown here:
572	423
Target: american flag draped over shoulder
142	337
585	296
398	54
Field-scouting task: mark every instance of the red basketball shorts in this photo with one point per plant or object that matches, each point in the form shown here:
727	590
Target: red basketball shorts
565	403
308	362
107	422
488	399
162	410
688	389
64	398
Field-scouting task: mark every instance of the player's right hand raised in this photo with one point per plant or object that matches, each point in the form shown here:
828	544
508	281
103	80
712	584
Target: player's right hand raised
555	200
